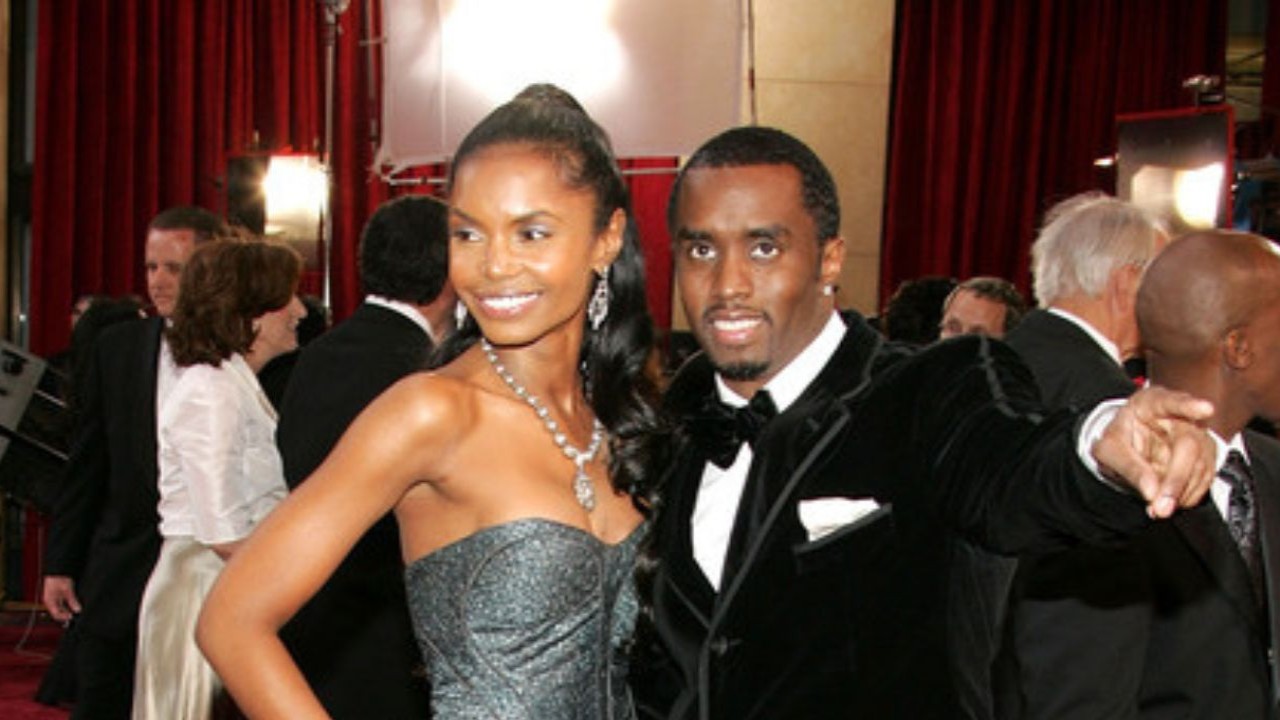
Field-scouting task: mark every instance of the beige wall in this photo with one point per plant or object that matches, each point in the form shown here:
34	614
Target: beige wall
822	74
822	70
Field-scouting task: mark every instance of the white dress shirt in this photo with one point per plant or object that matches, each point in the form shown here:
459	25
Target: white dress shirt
721	489
220	472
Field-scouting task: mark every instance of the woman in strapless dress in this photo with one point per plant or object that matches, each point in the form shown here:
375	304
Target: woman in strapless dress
516	470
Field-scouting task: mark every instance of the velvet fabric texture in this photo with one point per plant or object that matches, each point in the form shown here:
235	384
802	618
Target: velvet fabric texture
951	435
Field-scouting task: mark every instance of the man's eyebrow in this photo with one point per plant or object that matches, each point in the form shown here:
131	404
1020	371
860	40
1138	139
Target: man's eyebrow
769	232
685	233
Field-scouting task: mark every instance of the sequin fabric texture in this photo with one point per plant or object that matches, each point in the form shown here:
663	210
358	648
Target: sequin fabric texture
526	620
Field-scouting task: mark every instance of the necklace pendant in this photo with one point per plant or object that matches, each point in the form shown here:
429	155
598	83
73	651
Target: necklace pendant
583	490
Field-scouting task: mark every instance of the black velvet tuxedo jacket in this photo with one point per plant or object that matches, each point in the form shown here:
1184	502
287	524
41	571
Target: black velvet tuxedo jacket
1071	609
354	641
105	527
849	625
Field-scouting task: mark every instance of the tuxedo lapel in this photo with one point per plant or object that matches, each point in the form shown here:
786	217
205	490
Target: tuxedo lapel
144	368
790	445
1203	529
687	578
1265	461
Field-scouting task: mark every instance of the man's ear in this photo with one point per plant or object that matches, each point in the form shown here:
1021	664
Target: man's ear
1237	350
1122	287
609	242
831	262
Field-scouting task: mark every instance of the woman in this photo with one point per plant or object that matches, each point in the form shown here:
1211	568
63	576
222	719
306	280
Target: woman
219	470
514	470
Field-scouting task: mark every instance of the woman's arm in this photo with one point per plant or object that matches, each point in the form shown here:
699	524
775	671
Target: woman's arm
400	439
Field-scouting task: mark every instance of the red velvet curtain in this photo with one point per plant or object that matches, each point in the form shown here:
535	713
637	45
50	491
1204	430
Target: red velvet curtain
140	103
1000	108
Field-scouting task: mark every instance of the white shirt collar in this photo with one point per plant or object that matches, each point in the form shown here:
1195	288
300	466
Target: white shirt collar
1222	447
792	380
405	309
1111	349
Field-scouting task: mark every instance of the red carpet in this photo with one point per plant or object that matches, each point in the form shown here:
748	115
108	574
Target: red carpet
24	656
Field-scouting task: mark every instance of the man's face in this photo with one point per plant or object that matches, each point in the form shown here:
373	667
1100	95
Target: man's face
971	314
751	270
166	254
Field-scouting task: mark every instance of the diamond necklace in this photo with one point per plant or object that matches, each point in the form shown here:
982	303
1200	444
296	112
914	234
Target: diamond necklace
582	488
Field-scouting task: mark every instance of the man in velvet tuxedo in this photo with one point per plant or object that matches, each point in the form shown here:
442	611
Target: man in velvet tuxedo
1202	623
1088	260
796	546
353	641
104	537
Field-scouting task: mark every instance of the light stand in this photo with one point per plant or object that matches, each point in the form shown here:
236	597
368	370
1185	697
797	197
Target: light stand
332	10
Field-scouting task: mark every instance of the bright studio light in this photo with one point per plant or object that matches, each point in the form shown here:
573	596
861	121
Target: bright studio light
501	57
1195	194
1189	195
296	190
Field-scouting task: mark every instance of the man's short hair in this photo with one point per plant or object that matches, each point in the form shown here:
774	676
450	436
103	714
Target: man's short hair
1087	237
404	250
754	145
996	290
203	223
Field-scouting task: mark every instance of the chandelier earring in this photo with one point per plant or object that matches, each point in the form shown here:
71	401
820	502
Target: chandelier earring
598	307
459	314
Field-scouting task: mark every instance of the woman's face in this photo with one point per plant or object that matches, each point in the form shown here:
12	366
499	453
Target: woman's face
278	330
522	249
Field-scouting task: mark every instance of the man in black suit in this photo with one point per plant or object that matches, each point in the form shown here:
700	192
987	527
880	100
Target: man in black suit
1088	261
353	641
1209	311
104	536
797	557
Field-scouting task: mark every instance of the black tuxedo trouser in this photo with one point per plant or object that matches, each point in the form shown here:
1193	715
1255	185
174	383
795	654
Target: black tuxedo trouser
104	678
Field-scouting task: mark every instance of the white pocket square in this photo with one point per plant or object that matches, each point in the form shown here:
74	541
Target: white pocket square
823	516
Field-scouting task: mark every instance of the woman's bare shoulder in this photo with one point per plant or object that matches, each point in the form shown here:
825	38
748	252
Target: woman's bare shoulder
428	400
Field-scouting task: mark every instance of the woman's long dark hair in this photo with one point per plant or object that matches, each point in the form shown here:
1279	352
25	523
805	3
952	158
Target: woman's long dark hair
614	358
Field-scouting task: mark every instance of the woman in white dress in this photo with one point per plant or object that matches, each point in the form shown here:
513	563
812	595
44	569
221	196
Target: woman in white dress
220	473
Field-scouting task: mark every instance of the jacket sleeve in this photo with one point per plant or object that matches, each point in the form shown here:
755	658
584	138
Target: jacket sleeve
79	506
972	446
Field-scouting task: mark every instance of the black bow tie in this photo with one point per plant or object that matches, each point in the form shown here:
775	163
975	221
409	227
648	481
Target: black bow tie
719	430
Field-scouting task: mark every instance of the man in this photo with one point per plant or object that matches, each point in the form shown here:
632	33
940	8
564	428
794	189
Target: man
797	573
353	641
104	536
1209	312
982	306
1088	261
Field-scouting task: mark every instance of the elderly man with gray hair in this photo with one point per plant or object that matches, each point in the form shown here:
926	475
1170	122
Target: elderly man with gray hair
1089	259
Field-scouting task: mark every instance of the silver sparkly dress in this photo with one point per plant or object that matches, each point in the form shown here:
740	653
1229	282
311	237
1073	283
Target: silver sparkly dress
527	620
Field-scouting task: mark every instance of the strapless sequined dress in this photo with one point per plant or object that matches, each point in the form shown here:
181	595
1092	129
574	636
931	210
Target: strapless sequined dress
527	620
